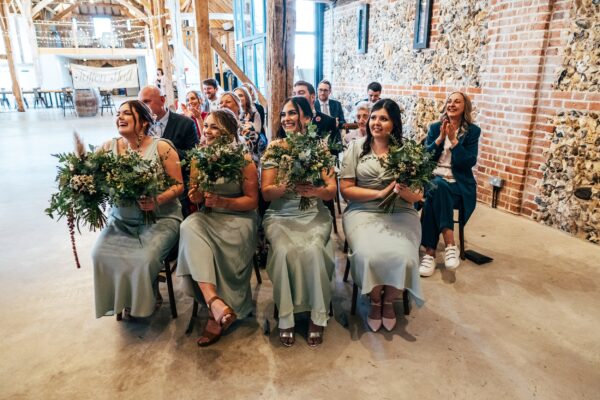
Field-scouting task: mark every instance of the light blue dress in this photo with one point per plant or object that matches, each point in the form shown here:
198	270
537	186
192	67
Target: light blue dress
383	248
301	259
218	248
128	254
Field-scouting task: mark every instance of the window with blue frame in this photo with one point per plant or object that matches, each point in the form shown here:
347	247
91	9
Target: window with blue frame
251	40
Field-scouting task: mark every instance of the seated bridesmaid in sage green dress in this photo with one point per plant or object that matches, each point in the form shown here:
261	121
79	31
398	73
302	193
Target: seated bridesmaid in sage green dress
383	247
128	254
301	259
216	248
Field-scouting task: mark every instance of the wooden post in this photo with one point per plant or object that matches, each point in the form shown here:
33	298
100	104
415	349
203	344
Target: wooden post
32	38
221	67
167	83
156	38
205	59
16	89
281	29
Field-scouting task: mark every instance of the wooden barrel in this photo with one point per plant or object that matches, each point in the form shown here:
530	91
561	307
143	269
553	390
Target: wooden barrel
86	102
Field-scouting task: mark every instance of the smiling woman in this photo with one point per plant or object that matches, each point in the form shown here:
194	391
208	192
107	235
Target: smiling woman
128	254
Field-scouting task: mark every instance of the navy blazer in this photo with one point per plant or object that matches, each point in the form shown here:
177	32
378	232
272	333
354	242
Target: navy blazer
335	110
464	158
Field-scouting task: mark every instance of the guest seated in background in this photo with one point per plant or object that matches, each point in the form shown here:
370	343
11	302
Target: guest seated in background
383	247
327	105
178	129
261	110
216	248
126	265
454	141
232	102
326	126
210	87
361	112
373	93
251	125
193	110
301	258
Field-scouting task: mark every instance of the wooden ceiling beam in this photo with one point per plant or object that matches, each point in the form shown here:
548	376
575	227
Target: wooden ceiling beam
39	7
64	13
133	9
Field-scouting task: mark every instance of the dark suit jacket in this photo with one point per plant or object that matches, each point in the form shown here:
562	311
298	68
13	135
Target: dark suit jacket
335	109
464	158
181	131
326	126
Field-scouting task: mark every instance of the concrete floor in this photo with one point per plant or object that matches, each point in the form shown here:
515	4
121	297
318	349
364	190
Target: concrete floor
524	326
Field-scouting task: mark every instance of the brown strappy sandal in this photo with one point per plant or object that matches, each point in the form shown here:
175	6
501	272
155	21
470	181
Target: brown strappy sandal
228	318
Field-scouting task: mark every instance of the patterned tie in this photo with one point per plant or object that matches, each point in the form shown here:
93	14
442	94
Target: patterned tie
156	130
325	108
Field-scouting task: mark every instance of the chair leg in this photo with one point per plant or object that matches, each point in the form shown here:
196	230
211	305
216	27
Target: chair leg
331	308
168	272
354	299
191	324
406	302
461	238
345	246
256	269
275	311
329	204
347	271
338	199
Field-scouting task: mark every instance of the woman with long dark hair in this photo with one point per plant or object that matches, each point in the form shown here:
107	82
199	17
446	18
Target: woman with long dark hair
383	247
126	265
454	142
301	259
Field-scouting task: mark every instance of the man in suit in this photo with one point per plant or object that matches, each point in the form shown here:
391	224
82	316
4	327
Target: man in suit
328	106
373	93
177	128
326	125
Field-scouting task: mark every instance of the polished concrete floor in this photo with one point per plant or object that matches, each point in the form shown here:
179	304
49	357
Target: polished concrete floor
522	327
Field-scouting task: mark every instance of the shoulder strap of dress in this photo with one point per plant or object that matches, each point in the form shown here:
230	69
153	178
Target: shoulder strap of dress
114	146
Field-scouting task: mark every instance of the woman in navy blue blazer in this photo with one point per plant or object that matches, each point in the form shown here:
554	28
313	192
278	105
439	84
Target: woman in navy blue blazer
454	141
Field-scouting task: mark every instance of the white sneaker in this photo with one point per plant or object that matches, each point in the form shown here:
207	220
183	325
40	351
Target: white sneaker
451	259
427	266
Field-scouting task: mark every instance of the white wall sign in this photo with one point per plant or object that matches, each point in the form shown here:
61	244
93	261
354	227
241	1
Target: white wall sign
104	78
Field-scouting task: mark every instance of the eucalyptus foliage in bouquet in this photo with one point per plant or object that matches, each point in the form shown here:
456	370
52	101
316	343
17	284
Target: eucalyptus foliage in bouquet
411	165
131	177
221	160
301	158
81	196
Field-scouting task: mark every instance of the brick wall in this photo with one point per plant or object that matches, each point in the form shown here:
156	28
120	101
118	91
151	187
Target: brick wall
513	84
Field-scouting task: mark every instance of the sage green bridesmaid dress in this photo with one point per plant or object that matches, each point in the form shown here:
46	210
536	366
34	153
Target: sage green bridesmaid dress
218	247
301	258
383	248
128	254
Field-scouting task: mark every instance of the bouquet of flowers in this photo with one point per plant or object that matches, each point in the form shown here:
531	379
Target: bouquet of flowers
81	196
130	178
411	164
221	160
301	160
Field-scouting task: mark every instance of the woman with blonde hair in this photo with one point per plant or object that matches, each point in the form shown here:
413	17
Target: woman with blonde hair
232	102
251	125
216	248
454	142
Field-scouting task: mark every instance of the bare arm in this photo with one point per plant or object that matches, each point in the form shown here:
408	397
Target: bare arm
170	162
356	193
